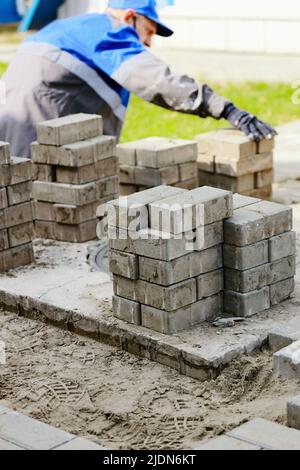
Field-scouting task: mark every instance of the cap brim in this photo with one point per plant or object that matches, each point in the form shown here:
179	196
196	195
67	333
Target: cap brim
162	29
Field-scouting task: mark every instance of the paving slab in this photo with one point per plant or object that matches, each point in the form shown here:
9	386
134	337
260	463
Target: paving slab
268	435
61	289
30	434
226	443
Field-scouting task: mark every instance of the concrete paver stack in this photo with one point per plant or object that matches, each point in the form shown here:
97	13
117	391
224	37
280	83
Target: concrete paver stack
259	256
228	159
16	214
75	170
157	161
169	278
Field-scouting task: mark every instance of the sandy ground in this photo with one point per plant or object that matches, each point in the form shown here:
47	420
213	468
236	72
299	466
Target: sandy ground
123	402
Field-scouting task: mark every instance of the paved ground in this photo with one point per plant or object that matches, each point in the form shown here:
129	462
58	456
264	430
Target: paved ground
61	289
20	432
120	401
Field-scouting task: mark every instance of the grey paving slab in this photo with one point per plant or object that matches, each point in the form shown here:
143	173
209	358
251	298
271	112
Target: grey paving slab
31	434
6	445
266	434
227	443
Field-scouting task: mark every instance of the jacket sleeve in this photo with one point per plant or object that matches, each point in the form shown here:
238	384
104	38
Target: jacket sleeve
151	79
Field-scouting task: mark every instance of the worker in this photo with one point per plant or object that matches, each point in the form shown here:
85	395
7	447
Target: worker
91	64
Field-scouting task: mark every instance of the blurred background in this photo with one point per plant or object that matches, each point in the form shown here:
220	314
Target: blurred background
249	52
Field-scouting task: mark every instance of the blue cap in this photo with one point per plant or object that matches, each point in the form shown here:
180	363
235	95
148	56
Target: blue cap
146	8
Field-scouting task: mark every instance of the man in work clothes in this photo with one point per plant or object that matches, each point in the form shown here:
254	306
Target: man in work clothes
91	64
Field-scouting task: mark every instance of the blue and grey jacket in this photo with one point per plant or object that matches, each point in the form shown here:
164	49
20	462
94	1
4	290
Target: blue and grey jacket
91	64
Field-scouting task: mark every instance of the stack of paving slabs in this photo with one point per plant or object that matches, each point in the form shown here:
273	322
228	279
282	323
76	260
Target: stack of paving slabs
228	159
168	275
75	170
16	215
259	256
157	161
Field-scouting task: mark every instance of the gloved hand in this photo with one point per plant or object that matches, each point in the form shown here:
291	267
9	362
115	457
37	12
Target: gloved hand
249	124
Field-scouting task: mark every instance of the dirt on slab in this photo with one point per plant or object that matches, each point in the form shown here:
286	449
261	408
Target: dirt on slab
123	402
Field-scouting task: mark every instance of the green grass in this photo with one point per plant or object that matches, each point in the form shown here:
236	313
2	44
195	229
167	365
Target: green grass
272	102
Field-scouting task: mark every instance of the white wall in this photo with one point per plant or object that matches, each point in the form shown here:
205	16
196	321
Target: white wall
260	26
232	25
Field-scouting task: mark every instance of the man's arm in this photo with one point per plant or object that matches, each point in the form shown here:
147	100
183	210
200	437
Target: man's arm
151	79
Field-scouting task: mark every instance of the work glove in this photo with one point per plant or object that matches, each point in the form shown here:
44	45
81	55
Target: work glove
249	124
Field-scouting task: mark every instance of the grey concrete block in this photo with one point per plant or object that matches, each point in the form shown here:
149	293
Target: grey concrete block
190	184
160	297
149	177
127	189
4	153
158	152
44	211
264	193
246	257
283	335
16	215
5	176
127	310
260	164
246	305
77	154
190	265
183	212
87	173
124	264
281	291
69	129
240	201
226	443
132	211
287	362
266	145
19	193
268	435
188	171
282	246
42	172
16	257
78	233
30	433
154	177
246	281
210	284
126	153
20	170
241	184
77	195
69	214
182	318
206	163
264	178
293	412
257	222
226	143
21	234
4	242
282	269
3	198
